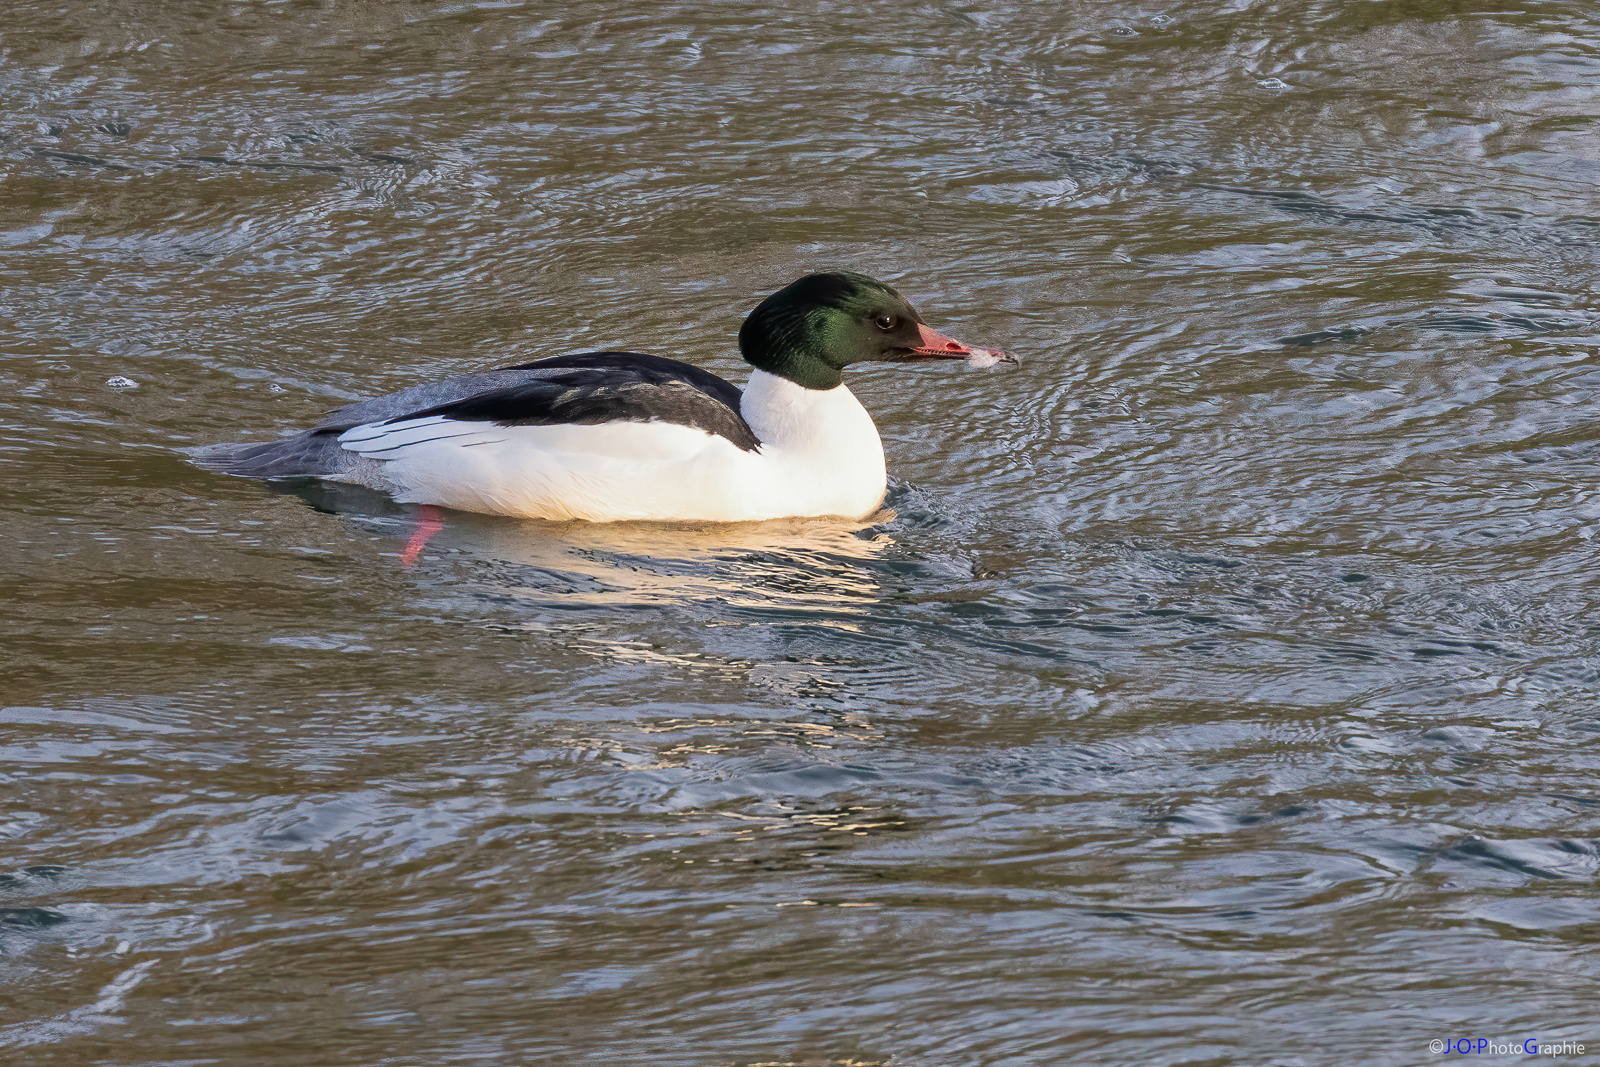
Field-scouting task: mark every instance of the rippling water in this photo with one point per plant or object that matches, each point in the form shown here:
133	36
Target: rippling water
1220	690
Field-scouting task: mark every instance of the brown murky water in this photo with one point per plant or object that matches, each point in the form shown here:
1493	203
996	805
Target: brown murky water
1208	699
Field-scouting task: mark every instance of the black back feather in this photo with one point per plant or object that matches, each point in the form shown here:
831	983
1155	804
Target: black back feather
596	387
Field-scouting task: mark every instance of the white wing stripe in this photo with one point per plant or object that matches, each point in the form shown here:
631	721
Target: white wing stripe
375	445
373	430
375	438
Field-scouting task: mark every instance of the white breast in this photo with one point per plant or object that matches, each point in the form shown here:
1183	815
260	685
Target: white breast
819	446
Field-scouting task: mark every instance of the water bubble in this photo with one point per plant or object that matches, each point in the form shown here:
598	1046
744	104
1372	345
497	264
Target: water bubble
1274	85
121	384
988	357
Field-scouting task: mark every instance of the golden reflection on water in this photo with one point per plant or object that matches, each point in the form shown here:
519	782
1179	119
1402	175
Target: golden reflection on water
812	563
804	563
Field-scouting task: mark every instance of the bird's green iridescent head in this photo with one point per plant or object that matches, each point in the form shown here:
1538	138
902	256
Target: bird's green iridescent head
810	330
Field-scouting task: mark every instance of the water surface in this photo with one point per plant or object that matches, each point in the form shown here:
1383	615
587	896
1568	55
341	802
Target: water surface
1220	687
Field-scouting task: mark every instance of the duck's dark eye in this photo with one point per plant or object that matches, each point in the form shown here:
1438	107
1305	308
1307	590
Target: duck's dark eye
886	322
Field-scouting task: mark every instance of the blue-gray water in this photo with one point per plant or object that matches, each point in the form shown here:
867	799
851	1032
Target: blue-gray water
1206	699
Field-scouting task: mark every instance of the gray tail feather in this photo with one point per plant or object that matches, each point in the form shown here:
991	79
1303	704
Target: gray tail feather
301	456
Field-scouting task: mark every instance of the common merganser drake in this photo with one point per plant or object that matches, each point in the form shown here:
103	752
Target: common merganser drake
612	436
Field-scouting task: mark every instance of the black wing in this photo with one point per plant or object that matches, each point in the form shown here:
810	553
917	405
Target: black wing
596	387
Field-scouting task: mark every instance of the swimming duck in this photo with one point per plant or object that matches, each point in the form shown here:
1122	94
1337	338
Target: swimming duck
609	436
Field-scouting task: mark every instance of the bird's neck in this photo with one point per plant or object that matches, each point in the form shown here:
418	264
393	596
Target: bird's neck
815	422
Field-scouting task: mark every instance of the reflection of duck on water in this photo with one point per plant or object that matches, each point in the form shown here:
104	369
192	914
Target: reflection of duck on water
790	564
608	436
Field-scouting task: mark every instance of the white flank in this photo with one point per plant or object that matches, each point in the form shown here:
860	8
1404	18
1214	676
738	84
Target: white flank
820	455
